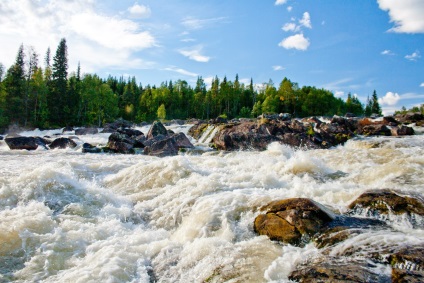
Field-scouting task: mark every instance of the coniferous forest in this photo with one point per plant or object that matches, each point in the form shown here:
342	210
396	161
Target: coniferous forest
43	93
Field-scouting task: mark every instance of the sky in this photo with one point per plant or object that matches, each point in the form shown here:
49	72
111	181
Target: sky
349	46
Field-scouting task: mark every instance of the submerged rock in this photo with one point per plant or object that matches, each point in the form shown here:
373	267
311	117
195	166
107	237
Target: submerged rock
88	148
291	220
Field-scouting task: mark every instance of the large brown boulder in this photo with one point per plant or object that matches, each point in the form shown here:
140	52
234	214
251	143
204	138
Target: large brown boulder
291	220
387	201
156	129
402	131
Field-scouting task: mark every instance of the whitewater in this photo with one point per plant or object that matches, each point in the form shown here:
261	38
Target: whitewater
68	216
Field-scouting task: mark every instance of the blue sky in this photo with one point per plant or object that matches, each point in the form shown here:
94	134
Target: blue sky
354	46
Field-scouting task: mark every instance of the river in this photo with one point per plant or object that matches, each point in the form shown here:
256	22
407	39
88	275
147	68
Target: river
66	216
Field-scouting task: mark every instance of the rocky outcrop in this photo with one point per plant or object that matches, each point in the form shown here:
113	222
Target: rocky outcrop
379	202
410	117
402	131
156	129
88	148
120	142
291	220
86	131
118	124
28	143
62	143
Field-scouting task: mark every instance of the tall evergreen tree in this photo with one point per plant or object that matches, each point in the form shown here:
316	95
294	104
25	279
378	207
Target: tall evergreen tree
15	87
375	106
59	104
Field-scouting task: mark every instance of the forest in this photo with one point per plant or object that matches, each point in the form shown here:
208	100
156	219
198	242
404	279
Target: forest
50	96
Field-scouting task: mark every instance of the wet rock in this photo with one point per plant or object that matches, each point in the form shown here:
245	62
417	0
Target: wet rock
402	131
374	130
68	129
407	276
386	201
390	121
291	220
120	143
131	133
337	270
408	258
17	142
164	147
197	130
157	128
182	141
86	131
1	138
409	118
88	148
114	126
62	143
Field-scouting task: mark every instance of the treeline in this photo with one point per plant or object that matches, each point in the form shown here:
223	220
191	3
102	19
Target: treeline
50	97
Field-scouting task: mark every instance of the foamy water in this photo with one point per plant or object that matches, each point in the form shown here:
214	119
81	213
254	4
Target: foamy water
66	216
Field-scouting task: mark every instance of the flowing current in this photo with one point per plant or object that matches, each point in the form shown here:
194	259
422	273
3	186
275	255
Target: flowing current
66	216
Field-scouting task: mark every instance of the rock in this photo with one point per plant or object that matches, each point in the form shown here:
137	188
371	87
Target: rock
17	142
88	148
182	141
402	131
410	258
374	130
197	130
407	276
62	143
291	219
149	142
164	147
67	129
157	128
118	124
1	138
338	270
86	131
120	143
131	133
390	121
409	118
386	201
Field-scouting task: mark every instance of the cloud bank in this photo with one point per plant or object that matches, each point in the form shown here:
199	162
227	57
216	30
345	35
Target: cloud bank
407	15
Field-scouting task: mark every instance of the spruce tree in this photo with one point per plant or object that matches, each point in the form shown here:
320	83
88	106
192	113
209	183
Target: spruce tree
15	87
59	107
375	106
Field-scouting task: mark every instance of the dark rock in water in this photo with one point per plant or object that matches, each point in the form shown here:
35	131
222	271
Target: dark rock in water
338	270
118	124
291	220
121	143
68	129
409	118
86	131
407	276
387	201
411	258
402	131
149	142
130	132
156	129
28	143
1	138
182	141
88	148
62	143
390	121
374	130
164	147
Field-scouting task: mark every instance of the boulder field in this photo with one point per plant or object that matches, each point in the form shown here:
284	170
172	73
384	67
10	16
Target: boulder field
299	221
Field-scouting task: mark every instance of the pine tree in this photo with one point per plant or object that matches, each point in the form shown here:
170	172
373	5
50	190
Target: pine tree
375	106
15	87
59	106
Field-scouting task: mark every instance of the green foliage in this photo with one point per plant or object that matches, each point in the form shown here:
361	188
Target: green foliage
52	97
161	112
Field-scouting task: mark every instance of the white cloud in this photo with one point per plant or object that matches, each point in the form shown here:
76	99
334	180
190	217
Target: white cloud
422	85
188	40
290	27
306	20
414	56
387	52
93	38
278	68
181	71
139	11
195	24
289	8
407	15
339	93
297	41
195	54
280	2
389	99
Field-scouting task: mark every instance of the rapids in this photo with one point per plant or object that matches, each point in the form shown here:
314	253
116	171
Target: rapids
66	216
